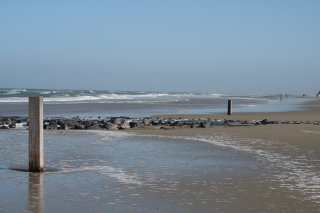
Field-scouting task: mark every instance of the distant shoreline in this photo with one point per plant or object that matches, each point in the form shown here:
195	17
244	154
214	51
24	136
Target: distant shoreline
291	127
310	115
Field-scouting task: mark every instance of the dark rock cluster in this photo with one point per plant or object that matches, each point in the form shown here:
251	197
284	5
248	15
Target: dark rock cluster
120	123
11	122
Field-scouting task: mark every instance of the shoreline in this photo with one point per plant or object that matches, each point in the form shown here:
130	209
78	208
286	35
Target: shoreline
287	154
301	127
291	152
303	135
310	115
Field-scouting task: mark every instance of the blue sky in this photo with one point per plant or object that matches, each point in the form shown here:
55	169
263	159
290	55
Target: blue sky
162	45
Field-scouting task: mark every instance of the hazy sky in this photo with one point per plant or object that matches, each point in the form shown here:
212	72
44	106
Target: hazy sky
162	45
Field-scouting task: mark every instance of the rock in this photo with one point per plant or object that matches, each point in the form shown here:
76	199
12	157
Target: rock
12	125
133	124
7	120
155	122
91	124
146	121
124	125
64	126
217	123
116	120
245	122
77	126
111	126
204	124
274	122
72	123
4	126
264	121
51	127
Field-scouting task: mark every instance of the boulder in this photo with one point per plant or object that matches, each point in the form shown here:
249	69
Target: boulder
264	121
111	126
133	124
12	125
116	120
77	126
8	120
204	124
124	125
64	126
146	121
51	127
4	126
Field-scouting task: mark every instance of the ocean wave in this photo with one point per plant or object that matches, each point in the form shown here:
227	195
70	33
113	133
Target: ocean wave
99	96
7	92
13	100
90	96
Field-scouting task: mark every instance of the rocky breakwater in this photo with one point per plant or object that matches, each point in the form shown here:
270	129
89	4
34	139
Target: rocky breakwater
121	123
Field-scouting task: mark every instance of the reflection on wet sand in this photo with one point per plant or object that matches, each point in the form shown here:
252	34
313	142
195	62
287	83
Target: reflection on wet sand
119	172
36	189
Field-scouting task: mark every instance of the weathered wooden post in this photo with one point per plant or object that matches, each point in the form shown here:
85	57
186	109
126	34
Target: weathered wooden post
36	159
229	107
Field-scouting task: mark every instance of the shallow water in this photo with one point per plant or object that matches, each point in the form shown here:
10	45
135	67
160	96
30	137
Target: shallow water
102	171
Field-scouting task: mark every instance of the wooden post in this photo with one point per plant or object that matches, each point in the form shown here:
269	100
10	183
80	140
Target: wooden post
229	107
36	159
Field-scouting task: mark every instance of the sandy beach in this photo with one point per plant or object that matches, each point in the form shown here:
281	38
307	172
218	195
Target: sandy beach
292	149
298	134
255	168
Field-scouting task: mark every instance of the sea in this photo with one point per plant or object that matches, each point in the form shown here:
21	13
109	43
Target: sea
116	171
99	103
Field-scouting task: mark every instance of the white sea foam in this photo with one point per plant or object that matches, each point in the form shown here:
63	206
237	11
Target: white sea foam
13	100
46	92
21	126
248	105
92	96
311	132
110	135
13	91
116	173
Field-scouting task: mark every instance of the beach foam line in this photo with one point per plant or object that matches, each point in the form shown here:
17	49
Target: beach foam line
120	175
294	173
311	132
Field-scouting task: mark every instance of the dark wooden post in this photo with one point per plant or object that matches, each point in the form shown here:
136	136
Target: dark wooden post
36	159
229	107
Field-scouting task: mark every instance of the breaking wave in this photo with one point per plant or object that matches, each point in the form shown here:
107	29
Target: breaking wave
89	96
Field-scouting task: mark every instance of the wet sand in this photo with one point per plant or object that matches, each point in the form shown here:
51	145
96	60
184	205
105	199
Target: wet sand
291	150
296	134
265	168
